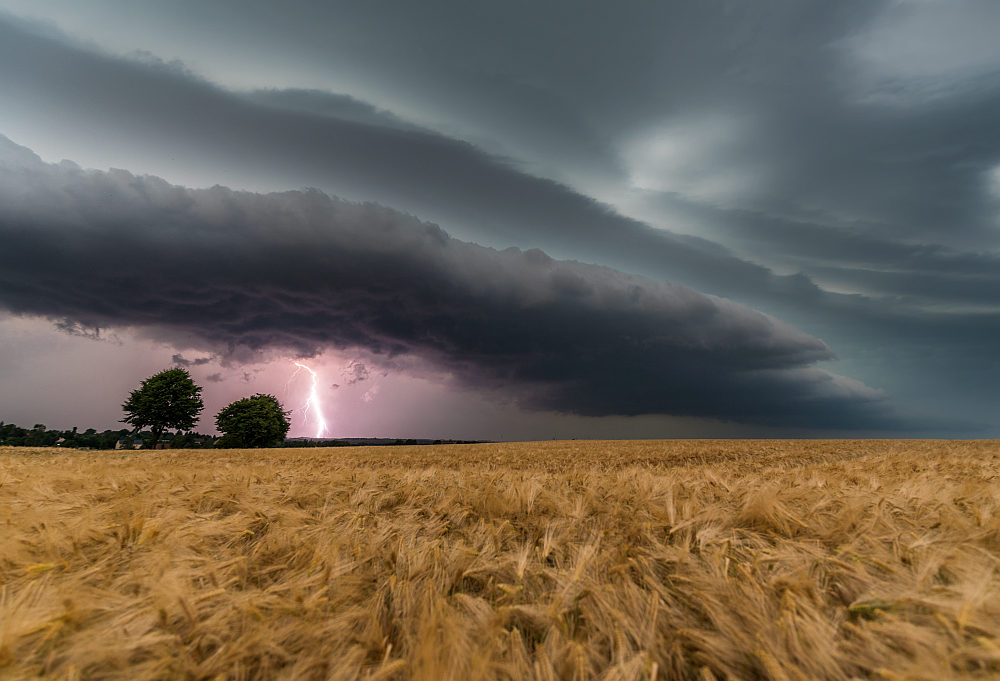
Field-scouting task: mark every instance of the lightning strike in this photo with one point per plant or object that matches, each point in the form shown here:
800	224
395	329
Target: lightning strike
312	403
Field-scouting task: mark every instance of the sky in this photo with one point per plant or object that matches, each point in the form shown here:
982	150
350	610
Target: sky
507	220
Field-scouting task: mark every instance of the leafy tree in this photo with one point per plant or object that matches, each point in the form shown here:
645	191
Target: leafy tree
170	399
11	435
257	421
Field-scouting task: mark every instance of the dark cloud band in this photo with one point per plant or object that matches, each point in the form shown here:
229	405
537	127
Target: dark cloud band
236	273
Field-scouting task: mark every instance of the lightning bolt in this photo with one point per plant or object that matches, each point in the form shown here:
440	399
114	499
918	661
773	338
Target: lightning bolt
312	403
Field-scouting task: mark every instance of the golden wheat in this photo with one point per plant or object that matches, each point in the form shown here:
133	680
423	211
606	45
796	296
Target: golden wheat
782	560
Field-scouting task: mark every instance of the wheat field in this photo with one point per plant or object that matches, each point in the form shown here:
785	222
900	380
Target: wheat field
782	560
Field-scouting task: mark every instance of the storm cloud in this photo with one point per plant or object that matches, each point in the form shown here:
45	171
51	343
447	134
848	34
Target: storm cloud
182	361
835	165
311	138
237	272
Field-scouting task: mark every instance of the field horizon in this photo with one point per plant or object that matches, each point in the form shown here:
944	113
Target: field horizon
574	559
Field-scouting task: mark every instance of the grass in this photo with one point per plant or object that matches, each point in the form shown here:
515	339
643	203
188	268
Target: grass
783	560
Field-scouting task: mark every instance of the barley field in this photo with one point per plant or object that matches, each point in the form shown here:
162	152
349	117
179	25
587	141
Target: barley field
781	560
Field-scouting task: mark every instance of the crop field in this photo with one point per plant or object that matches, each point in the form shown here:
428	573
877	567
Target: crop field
782	560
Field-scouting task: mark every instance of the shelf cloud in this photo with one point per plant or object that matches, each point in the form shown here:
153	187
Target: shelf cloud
241	274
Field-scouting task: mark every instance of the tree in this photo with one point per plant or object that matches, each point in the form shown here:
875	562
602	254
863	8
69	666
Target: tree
170	399
258	421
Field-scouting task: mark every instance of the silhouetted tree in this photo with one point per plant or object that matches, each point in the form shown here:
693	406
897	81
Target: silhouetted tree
170	399
258	421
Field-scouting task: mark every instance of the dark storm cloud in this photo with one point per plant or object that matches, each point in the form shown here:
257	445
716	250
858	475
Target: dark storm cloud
835	165
182	361
73	328
277	135
793	146
858	258
342	107
821	124
355	373
300	271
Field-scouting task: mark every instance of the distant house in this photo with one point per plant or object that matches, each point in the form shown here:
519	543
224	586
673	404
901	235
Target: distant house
162	445
136	444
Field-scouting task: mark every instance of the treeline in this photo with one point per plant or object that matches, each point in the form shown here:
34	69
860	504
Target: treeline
12	435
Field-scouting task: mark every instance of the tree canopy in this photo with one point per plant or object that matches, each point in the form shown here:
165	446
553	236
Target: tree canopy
169	399
258	421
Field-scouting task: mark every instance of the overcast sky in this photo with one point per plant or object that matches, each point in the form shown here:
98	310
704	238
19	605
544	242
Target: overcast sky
507	220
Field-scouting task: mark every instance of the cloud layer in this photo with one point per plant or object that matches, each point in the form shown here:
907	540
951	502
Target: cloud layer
297	138
238	273
839	163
